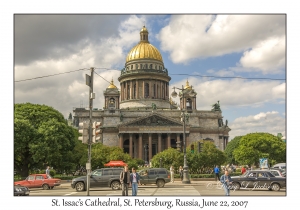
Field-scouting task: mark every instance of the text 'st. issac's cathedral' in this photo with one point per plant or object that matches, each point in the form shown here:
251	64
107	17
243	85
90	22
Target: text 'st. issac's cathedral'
142	118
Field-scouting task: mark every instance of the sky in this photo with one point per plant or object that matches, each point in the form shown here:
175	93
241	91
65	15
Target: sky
212	52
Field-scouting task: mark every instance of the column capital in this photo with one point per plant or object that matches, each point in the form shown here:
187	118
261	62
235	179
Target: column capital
140	134
150	134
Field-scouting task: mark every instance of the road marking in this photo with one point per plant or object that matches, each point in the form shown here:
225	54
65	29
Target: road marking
71	193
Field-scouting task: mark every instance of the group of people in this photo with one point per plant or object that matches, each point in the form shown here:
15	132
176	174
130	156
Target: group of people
172	173
128	179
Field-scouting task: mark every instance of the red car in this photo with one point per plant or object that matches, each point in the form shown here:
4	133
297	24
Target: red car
39	180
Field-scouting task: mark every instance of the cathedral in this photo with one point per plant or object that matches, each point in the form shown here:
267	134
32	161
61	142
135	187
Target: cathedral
141	117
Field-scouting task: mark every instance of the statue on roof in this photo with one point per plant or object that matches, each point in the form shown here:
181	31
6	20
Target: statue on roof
153	106
216	107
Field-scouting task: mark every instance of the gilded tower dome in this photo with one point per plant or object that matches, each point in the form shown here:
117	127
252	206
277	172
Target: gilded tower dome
144	50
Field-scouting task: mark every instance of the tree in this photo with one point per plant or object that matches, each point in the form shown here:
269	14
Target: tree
168	157
231	146
41	137
260	145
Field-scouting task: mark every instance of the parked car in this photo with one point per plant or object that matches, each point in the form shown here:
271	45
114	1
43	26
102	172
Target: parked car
158	176
104	177
281	166
277	173
39	180
21	191
258	179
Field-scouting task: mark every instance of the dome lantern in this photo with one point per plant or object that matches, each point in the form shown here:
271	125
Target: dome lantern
144	35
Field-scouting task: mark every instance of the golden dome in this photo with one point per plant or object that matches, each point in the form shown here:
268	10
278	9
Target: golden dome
144	50
112	84
187	86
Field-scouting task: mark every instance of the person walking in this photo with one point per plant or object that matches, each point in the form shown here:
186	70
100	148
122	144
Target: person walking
48	171
226	182
134	181
125	180
172	173
181	172
243	170
217	173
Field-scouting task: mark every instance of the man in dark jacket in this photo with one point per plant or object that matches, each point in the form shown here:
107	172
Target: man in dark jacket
125	180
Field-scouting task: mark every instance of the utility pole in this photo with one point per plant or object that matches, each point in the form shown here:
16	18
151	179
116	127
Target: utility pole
89	81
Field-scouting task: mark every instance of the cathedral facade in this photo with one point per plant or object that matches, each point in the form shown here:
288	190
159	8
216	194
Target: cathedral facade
141	117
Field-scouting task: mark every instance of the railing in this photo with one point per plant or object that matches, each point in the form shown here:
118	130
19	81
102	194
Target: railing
124	71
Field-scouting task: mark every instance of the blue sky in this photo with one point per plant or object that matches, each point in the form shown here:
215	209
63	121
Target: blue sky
219	46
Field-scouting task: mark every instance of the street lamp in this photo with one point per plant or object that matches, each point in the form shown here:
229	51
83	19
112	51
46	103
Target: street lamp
186	178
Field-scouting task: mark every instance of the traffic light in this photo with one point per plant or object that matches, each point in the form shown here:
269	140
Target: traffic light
96	132
192	149
84	132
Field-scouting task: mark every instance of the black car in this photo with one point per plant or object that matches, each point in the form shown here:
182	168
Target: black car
21	191
158	176
104	177
258	179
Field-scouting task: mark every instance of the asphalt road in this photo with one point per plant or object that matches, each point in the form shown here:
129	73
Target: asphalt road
196	188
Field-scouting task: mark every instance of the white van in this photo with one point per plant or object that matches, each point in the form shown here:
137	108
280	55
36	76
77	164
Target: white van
281	166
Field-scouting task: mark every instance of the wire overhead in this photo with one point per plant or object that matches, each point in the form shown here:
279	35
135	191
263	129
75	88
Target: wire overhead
108	69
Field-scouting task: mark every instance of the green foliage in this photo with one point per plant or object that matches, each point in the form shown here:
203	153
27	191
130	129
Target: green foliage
231	146
205	161
41	137
168	157
260	145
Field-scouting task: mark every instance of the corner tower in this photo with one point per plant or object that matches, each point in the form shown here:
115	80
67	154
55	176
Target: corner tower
144	80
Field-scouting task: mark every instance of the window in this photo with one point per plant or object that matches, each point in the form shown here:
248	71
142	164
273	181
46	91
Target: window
97	173
111	103
162	172
154	91
146	90
151	172
131	67
150	66
30	178
117	172
134	91
106	172
136	66
146	66
189	103
39	178
128	91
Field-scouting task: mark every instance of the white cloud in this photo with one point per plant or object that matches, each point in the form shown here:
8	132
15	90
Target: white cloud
65	91
269	122
235	92
221	73
223	34
268	56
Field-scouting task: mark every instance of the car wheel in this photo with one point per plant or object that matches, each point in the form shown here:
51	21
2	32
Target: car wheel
79	186
45	186
275	187
160	183
115	185
236	186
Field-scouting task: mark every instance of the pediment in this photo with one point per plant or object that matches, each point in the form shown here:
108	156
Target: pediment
154	119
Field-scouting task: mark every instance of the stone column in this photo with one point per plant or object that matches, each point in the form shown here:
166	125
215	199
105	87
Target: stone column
169	140
121	141
178	141
159	142
143	88
121	85
140	146
130	145
150	146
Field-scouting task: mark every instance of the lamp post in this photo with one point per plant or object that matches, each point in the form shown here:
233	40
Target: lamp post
186	178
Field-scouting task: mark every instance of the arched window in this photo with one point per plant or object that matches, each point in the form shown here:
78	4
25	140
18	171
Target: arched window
154	91
136	66
144	37
146	90
112	103
189	103
150	66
